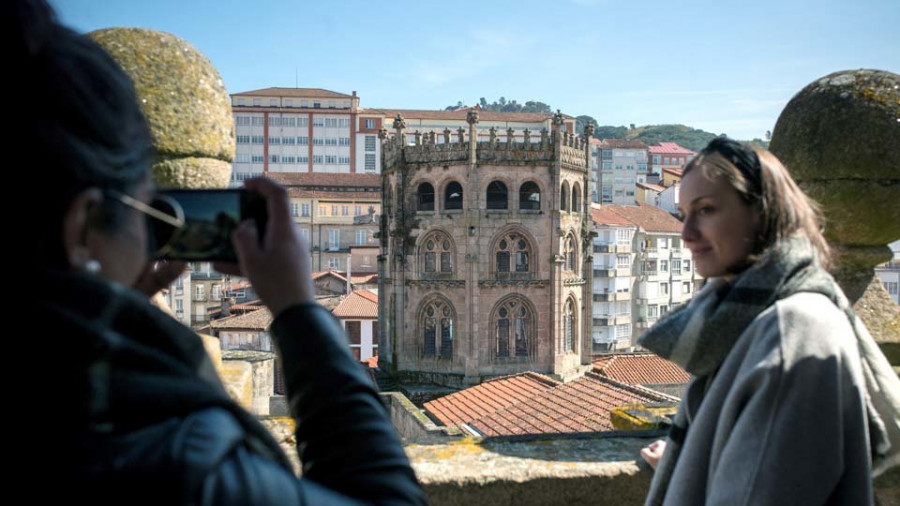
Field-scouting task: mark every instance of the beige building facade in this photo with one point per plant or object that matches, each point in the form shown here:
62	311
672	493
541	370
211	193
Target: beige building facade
484	270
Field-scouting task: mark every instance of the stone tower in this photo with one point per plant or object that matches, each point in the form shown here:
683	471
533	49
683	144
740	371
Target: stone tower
486	267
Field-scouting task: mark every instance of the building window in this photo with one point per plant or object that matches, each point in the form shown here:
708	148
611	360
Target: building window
623	261
334	239
295	209
303	141
653	311
891	287
512	254
425	197
571	254
436	254
576	198
370	123
361	237
664	266
676	266
687	265
623	331
304	233
497	197
357	211
569	326
436	321
530	196
453	196
345	210
686	287
664	288
370	162
334	263
513	328
273	159
564	197
370	143
304	210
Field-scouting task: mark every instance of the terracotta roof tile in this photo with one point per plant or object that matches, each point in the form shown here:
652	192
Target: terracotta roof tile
648	217
363	279
293	92
488	397
254	320
673	170
325	179
321	274
603	215
582	405
670	148
640	369
359	304
650	186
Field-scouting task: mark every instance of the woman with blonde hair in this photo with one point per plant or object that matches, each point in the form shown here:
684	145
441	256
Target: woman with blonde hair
790	401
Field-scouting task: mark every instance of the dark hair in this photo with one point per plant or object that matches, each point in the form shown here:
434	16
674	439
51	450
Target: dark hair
80	120
761	180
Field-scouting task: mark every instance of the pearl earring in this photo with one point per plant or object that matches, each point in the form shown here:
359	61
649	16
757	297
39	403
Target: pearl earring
91	266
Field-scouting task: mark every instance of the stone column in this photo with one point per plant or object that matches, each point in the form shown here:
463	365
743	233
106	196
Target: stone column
472	224
472	120
840	139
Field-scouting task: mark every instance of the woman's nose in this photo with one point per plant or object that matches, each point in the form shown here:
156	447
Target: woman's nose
689	230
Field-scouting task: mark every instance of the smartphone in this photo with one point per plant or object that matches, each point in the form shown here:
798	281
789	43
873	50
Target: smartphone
210	216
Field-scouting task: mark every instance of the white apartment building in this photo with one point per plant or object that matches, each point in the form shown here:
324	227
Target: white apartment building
667	199
889	273
303	130
621	166
651	266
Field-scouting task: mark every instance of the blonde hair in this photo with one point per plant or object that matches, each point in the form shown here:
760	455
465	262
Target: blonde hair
761	180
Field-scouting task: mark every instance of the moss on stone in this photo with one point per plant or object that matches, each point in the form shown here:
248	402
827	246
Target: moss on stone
183	98
191	172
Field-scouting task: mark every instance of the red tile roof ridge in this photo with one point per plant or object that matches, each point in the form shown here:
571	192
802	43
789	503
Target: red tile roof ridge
531	374
637	389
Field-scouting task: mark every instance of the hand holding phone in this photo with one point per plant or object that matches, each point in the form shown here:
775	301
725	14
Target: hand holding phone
209	217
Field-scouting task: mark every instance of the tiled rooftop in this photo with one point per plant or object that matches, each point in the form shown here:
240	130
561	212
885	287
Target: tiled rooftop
254	320
293	92
359	304
670	148
325	179
648	217
603	215
640	369
487	398
581	405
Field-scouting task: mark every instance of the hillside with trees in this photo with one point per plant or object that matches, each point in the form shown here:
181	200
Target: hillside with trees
691	138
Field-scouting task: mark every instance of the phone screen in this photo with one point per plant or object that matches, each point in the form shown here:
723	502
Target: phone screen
210	217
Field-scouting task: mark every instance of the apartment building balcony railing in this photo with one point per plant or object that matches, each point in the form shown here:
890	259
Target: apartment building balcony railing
651	252
676	252
623	247
649	272
604	248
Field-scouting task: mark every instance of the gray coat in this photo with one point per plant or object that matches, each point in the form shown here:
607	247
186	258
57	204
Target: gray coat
783	420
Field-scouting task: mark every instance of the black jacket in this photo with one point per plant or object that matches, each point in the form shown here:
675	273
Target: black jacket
146	419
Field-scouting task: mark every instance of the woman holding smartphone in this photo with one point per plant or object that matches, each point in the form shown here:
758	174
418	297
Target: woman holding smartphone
791	401
143	415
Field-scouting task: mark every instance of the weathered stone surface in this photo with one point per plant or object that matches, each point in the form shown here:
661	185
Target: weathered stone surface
839	137
184	99
237	376
542	472
192	172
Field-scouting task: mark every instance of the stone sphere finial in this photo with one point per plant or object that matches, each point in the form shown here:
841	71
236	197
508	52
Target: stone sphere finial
185	102
840	139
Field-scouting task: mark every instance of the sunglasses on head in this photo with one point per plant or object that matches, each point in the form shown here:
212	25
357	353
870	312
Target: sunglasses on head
741	156
164	217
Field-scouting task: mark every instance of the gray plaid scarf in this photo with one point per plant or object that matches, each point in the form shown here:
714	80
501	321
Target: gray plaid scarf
699	335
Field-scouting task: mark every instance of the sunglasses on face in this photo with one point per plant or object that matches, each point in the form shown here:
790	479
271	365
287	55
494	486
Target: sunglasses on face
164	217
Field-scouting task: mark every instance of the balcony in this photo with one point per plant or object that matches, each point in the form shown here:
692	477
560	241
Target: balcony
604	272
651	252
604	248
623	247
649	272
603	297
198	297
676	252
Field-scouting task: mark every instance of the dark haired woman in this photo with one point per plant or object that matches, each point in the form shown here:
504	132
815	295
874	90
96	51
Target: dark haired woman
140	416
791	401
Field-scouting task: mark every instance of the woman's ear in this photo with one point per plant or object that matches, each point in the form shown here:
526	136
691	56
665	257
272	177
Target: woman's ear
78	220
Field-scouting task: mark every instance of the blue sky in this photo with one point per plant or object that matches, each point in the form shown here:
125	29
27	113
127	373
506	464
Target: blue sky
723	66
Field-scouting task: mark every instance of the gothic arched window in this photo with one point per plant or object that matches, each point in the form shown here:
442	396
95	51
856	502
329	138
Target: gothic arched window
513	328
453	196
571	254
436	254
426	197
576	198
512	254
497	196
530	196
564	197
568	325
437	321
